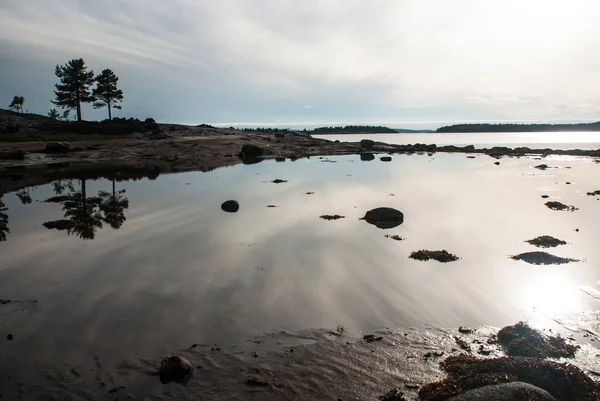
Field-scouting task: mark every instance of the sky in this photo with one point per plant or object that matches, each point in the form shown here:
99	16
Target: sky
400	63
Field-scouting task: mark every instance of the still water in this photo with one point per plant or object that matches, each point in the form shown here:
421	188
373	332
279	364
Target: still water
169	268
534	140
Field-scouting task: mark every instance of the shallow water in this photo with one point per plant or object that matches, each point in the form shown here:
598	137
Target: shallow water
534	140
180	271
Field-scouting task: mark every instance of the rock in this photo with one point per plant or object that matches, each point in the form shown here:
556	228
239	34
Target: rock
542	258
57	147
280	159
58	199
252	150
252	159
175	369
394	237
384	217
161	136
230	206
386	158
545	196
367	157
497	163
367	144
13	155
541	166
516	391
9	337
278	181
560	206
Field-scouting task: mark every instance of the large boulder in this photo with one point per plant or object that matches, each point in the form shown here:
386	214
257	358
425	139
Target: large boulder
384	217
230	206
251	150
175	369
516	391
57	147
367	144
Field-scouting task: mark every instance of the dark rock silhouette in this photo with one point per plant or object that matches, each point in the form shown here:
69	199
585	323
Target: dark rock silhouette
542	258
384	217
505	392
367	144
367	157
57	147
386	158
230	206
175	369
251	150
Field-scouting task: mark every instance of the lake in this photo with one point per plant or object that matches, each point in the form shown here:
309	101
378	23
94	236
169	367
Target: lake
534	140
165	267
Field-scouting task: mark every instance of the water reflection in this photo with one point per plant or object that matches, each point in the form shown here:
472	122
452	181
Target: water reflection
84	214
3	221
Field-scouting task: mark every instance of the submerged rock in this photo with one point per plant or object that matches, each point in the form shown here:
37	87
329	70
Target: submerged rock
546	241
175	369
541	167
516	391
441	256
542	258
58	199
554	205
384	217
394	237
278	181
230	206
594	193
386	158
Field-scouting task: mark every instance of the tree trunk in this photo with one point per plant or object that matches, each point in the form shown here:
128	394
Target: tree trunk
78	105
109	114
114	191
84	195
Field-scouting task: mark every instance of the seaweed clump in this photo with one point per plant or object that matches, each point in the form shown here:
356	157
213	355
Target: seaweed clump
467	372
546	241
441	256
522	340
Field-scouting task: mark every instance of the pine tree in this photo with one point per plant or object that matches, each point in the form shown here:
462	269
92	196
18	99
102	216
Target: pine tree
106	92
17	103
53	114
74	86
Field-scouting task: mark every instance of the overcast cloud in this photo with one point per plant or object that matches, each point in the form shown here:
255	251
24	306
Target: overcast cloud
397	62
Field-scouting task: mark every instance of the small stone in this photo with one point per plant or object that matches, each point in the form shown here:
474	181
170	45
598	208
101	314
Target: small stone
175	369
9	337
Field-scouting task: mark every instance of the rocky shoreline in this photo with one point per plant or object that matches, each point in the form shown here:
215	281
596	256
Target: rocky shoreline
199	149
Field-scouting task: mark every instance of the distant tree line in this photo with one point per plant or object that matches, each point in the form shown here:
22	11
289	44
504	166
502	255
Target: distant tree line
354	128
520	127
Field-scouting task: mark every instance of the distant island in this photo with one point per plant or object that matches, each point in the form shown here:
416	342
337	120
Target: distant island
461	128
362	129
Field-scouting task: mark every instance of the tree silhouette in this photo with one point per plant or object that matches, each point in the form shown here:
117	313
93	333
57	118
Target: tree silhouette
82	216
24	196
53	114
60	186
74	86
106	93
17	103
3	221
113	206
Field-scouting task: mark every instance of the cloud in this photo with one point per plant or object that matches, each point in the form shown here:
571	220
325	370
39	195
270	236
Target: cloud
263	60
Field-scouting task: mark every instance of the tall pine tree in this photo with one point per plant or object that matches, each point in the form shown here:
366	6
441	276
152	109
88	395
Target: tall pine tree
74	86
106	92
